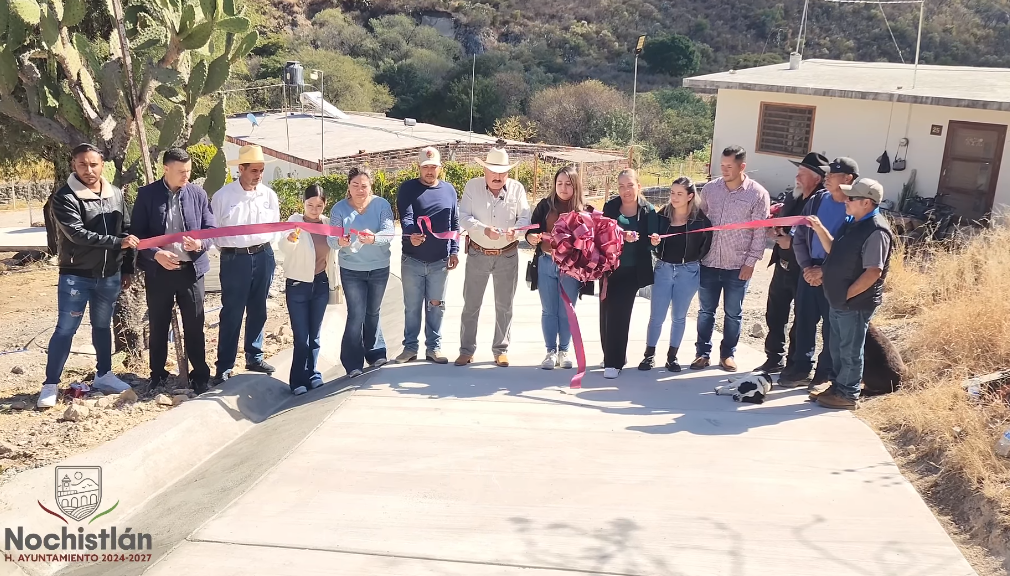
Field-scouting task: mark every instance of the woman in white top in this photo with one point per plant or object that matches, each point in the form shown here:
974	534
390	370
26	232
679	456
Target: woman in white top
310	272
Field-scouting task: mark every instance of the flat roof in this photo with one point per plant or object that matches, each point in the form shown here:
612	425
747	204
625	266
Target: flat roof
958	86
584	156
300	134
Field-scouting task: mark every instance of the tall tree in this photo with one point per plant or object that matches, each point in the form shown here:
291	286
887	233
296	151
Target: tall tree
63	72
672	54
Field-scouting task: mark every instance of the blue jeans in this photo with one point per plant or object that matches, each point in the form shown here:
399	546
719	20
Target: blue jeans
72	296
362	340
675	284
306	306
811	308
554	319
423	284
716	282
848	336
245	284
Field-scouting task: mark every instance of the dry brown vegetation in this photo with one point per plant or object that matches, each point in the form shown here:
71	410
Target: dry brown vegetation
948	310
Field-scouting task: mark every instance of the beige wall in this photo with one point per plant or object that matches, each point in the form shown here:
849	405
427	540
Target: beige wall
854	128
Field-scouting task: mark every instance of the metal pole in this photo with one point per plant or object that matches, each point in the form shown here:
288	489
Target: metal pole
322	126
918	42
473	81
634	98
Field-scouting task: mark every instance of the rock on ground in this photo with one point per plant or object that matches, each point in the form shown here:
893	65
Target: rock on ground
76	413
163	400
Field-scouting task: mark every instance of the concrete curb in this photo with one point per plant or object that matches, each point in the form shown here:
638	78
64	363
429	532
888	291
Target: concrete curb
149	458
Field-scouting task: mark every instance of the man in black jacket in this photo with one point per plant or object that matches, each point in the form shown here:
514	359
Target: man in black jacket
175	272
96	261
854	273
786	276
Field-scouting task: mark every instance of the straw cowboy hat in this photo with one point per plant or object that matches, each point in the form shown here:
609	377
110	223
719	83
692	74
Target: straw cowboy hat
250	154
497	161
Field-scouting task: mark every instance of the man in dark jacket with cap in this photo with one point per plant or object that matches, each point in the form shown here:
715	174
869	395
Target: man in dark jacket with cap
782	290
811	306
854	272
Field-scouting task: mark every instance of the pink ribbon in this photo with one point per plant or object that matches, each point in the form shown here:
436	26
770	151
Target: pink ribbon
784	222
273	227
580	349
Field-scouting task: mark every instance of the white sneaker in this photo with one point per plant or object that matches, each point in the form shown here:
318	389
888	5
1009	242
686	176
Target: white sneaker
47	397
108	382
610	373
299	391
550	361
563	360
355	373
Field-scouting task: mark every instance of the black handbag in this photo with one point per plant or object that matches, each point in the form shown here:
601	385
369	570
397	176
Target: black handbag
531	273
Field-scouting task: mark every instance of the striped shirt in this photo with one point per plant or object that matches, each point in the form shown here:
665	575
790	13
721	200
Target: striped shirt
734	249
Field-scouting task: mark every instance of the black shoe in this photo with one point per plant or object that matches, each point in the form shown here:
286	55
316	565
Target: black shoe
260	366
771	367
200	386
671	360
647	363
220	378
650	359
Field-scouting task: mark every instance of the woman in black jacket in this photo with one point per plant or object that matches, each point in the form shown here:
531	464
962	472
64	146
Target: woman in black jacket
678	270
635	216
544	275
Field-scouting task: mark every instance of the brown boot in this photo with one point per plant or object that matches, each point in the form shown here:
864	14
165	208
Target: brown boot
835	401
502	360
728	364
699	363
463	360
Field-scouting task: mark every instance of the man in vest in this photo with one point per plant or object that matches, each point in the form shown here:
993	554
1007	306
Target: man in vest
854	272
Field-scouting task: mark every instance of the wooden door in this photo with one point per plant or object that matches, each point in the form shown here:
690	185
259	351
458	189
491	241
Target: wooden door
970	168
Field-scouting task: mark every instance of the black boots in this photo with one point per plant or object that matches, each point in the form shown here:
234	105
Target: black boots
650	358
671	360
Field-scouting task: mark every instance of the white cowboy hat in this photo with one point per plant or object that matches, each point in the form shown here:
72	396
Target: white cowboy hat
250	154
497	161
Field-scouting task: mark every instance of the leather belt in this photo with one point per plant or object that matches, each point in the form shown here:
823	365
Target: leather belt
247	250
494	252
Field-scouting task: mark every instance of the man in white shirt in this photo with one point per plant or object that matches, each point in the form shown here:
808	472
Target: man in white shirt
247	263
491	210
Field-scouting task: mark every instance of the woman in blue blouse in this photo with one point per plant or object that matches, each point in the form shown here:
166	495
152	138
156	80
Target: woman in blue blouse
363	259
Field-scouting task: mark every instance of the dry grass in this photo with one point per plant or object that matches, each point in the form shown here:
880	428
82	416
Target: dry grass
949	307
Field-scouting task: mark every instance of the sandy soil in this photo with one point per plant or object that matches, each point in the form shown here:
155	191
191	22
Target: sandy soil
30	438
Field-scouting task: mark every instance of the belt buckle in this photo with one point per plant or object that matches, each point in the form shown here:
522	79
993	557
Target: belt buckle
496	252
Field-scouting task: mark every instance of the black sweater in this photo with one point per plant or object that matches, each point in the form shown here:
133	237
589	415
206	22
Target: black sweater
697	243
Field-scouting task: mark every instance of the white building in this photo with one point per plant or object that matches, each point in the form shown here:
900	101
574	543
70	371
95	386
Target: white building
950	128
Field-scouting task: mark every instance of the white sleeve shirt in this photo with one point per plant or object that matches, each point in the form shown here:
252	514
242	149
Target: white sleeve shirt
479	209
234	206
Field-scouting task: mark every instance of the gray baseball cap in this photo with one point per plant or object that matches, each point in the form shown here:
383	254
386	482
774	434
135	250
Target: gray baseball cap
864	188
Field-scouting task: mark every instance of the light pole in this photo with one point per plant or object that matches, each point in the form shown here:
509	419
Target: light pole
318	74
918	37
634	90
473	82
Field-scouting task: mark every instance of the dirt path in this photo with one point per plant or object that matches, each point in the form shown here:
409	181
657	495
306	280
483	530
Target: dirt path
30	438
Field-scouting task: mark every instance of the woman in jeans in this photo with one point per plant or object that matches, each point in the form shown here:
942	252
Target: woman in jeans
310	272
639	220
678	270
364	269
547	279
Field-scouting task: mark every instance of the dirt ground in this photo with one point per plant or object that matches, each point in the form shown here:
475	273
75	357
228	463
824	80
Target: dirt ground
30	438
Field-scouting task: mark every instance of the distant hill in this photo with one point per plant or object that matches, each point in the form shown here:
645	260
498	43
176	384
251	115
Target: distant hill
594	36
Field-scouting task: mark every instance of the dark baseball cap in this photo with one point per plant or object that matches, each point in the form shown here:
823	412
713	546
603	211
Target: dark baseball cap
842	165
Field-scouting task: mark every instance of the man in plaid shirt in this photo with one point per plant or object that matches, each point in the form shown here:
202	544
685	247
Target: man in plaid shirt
727	269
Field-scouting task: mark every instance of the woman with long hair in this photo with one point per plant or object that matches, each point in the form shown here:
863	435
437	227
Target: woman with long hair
639	220
678	269
364	269
545	276
310	282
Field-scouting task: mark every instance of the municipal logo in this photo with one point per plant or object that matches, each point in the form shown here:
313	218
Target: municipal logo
78	490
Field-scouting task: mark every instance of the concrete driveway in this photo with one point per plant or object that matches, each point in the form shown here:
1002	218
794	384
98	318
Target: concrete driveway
437	470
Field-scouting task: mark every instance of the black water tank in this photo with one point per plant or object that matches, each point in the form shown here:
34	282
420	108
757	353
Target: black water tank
294	74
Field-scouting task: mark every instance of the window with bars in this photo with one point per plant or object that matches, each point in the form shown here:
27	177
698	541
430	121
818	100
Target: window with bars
785	129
